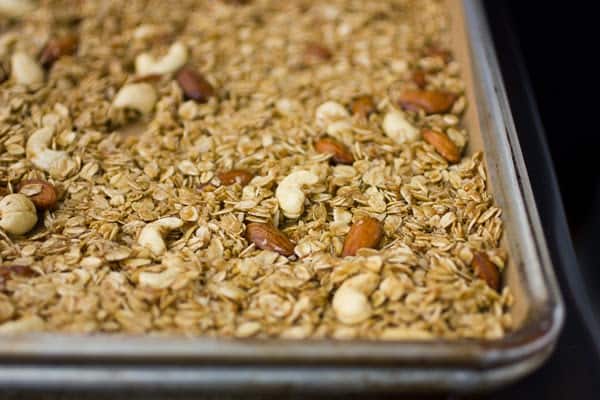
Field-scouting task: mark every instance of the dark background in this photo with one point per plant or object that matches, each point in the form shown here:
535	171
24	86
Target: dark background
558	44
555	44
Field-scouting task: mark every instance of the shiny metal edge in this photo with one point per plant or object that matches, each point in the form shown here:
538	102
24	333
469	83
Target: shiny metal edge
518	357
252	379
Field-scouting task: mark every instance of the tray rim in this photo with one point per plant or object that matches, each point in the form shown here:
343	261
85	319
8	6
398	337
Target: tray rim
113	377
523	346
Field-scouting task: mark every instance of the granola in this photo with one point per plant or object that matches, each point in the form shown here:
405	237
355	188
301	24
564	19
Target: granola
247	169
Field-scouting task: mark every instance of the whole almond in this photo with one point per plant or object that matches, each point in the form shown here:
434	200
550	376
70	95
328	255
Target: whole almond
365	233
41	193
341	154
486	270
363	105
240	176
431	101
194	85
442	144
55	48
315	53
267	237
419	78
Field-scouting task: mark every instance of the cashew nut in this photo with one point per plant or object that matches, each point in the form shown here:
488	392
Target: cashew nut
176	57
398	128
26	71
350	302
329	112
15	8
162	280
17	214
138	96
290	195
39	152
151	236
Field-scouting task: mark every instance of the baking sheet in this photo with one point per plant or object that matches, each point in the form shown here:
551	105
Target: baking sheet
79	360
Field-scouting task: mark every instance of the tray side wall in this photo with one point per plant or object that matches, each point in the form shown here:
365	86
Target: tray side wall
476	122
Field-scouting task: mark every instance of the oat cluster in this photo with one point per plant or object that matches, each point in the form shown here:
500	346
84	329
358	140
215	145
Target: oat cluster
260	168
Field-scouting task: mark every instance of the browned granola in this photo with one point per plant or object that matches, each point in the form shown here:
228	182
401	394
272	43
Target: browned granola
147	235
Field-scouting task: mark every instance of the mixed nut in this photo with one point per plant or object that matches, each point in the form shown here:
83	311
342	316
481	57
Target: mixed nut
339	152
194	85
19	211
267	237
57	48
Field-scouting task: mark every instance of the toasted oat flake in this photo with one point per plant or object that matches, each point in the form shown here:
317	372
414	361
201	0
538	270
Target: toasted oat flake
31	189
148	235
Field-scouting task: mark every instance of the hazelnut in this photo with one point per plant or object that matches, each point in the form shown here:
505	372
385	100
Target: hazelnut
17	214
41	193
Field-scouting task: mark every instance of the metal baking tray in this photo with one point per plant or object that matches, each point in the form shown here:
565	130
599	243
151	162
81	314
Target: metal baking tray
145	362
